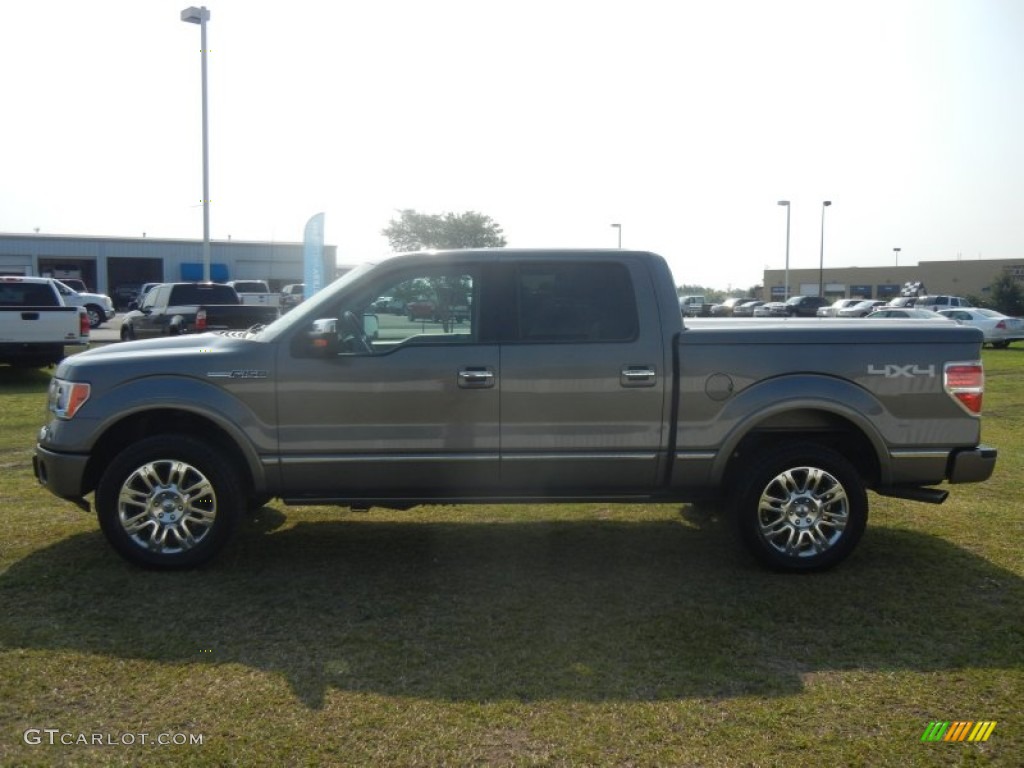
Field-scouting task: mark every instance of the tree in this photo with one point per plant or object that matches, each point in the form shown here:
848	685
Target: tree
414	231
1007	296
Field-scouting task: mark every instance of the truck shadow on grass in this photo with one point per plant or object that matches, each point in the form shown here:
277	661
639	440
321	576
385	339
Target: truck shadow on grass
541	610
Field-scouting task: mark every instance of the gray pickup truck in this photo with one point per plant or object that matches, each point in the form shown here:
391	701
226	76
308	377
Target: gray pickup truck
573	378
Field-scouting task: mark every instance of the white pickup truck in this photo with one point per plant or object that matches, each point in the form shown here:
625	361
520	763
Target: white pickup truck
35	324
255	292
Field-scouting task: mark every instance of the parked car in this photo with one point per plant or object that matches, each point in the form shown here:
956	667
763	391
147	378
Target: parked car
124	294
999	329
905	313
694	306
938	303
75	284
771	309
805	306
292	295
173	309
98	306
833	309
255	292
35	322
902	301
746	309
726	308
146	288
176	438
862	308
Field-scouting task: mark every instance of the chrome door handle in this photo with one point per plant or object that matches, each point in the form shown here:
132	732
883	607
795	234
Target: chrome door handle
638	376
476	378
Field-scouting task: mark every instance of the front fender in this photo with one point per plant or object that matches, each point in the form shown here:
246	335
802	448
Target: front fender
247	422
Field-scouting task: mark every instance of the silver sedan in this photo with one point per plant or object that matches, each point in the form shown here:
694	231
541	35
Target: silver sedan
999	329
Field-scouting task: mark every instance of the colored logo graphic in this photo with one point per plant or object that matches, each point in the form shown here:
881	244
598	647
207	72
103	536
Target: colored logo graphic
960	730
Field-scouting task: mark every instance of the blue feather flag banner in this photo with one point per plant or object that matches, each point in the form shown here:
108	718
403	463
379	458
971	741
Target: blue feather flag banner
313	255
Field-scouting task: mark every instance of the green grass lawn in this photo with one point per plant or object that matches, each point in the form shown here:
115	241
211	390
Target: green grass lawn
532	635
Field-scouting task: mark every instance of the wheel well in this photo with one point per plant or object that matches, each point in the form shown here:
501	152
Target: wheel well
149	423
809	426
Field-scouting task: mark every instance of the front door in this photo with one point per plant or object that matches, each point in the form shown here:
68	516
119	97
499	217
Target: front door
403	404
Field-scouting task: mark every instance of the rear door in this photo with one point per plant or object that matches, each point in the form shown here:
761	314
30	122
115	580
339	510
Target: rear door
584	378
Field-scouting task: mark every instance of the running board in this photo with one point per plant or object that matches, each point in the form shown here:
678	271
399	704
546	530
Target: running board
928	495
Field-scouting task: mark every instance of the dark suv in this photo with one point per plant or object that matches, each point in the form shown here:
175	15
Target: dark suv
805	306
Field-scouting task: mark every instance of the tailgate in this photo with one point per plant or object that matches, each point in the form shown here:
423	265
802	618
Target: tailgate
40	325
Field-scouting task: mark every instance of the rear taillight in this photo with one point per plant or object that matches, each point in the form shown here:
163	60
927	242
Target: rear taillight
965	383
200	321
83	324
1001	325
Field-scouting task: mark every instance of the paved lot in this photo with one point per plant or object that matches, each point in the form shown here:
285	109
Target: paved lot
109	331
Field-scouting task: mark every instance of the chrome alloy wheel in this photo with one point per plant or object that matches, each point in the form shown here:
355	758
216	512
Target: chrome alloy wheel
803	512
167	506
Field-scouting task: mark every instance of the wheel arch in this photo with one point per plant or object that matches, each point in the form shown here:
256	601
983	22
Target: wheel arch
170	420
817	425
803	408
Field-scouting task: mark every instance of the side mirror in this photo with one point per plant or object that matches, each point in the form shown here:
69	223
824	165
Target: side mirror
320	339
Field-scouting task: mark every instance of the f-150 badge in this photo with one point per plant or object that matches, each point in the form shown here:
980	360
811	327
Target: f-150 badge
242	374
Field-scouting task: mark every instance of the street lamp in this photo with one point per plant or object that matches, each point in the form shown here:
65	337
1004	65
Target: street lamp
897	252
786	203
619	227
200	16
821	264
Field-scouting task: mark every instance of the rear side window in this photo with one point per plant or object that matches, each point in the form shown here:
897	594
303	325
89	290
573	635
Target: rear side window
569	302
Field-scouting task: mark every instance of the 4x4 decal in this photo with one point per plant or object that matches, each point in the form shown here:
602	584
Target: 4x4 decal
893	371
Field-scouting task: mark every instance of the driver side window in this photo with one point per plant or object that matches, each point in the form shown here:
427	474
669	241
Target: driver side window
426	307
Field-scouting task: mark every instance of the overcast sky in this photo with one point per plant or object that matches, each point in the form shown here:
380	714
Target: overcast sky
683	121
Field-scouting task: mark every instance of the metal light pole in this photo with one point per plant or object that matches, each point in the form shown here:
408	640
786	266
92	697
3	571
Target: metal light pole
786	203
619	227
897	252
821	263
200	16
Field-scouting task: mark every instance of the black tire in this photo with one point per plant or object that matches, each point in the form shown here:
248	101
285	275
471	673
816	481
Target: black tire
169	502
127	332
802	508
97	316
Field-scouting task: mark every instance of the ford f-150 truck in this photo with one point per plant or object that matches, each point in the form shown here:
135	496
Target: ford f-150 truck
171	309
574	378
35	324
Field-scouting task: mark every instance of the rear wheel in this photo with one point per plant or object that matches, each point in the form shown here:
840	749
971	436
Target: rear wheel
803	508
169	501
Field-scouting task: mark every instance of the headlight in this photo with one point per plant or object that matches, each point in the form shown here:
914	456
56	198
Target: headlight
66	397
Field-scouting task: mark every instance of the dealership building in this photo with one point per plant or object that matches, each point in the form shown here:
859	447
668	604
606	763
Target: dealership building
106	264
960	277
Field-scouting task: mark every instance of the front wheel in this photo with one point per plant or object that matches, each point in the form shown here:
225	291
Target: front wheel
96	316
169	501
802	508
